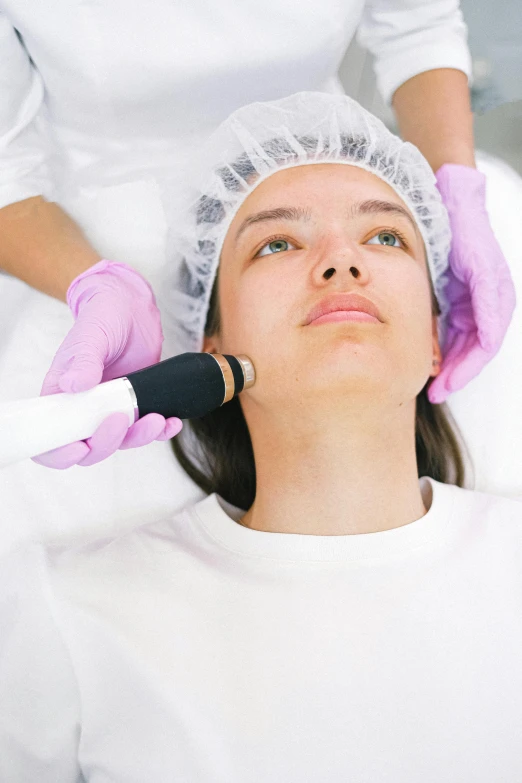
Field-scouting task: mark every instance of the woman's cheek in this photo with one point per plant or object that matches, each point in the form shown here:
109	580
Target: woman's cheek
245	321
262	322
263	304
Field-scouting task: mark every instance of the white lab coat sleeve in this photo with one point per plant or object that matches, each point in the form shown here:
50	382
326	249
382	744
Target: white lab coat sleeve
408	37
24	143
39	698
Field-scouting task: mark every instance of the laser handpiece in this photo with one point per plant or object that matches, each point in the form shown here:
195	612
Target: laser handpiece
187	386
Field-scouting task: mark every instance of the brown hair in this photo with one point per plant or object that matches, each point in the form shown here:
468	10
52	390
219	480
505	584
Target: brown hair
223	447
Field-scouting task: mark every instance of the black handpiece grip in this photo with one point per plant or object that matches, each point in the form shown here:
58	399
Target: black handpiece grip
187	386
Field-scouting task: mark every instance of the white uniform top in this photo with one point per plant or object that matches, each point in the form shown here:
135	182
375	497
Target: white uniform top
195	649
129	86
114	94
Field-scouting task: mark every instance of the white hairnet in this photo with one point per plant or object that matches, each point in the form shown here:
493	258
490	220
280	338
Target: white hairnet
261	139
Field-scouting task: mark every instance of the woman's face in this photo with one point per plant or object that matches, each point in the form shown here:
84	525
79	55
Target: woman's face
273	272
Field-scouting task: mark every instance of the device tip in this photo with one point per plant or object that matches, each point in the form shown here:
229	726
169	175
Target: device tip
248	371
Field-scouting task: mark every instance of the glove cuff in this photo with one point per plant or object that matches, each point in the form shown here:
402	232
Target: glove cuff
458	184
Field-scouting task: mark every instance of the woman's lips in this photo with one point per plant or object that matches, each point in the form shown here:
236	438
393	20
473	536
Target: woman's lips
345	315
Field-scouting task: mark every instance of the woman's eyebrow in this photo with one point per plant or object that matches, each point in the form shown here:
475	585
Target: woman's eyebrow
280	213
377	207
369	207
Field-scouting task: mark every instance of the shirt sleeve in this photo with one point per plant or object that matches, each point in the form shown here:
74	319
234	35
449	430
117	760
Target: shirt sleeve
39	698
408	37
24	144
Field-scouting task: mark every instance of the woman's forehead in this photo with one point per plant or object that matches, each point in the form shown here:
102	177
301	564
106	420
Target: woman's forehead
301	183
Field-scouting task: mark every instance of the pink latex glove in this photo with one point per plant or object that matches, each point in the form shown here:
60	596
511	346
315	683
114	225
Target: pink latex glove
480	289
117	331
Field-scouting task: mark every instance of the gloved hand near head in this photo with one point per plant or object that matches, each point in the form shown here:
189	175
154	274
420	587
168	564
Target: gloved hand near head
480	289
117	331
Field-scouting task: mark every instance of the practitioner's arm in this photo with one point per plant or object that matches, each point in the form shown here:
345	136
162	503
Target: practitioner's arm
39	243
423	70
433	111
43	246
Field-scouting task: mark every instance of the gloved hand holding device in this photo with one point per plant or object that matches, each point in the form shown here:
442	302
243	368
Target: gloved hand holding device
117	331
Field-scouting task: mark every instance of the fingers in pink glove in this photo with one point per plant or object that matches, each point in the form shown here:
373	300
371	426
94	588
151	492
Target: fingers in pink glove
64	456
463	361
173	427
106	439
151	427
457	377
111	431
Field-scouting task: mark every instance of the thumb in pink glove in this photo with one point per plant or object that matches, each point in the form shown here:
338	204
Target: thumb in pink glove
480	289
117	331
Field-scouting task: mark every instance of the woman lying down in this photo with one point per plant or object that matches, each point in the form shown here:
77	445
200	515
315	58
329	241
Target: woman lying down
339	608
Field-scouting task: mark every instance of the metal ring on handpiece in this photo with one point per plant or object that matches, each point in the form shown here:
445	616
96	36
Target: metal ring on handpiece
228	376
249	373
133	397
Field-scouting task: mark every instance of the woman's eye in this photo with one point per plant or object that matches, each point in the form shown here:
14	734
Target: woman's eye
389	236
280	245
275	246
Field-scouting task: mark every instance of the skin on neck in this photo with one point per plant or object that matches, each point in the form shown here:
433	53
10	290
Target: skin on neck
332	413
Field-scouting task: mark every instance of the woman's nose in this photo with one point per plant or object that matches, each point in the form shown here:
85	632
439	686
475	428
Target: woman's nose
343	260
332	270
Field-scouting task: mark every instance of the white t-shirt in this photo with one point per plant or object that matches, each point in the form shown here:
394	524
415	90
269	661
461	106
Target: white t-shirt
195	649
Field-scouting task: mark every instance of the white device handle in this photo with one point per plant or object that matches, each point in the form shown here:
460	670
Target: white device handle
34	426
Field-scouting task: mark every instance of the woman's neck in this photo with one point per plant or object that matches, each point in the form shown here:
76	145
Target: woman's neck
334	475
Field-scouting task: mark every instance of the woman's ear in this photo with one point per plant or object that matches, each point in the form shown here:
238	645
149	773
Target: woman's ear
210	345
437	353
